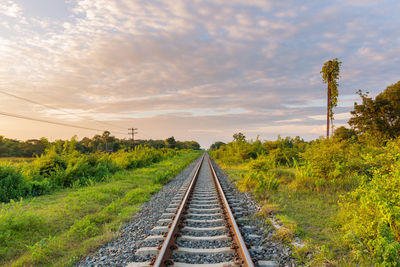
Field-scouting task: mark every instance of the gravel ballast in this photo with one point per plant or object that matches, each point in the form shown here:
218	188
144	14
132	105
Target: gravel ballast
121	251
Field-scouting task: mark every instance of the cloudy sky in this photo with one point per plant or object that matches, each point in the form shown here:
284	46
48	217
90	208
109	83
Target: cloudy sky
199	70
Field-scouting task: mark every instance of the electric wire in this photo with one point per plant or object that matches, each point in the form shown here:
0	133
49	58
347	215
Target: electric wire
59	109
53	122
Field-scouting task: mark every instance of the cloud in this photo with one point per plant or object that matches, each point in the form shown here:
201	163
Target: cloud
11	9
208	68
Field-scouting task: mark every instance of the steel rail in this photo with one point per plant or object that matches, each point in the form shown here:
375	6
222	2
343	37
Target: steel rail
170	241
237	236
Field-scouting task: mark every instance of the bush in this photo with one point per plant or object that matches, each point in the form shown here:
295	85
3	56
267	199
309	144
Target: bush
49	163
69	168
258	182
370	215
13	184
330	164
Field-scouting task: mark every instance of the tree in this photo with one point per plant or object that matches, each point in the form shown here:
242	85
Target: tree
379	117
217	145
330	75
170	142
343	133
239	137
105	136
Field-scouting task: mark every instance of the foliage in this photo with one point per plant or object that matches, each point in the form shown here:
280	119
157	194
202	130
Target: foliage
217	145
331	164
330	75
364	229
64	167
12	183
98	143
58	229
371	213
28	148
345	134
379	116
170	142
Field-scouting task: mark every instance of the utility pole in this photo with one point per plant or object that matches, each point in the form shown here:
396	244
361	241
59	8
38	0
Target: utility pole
133	131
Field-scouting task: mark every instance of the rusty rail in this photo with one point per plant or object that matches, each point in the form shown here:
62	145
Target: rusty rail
169	243
240	247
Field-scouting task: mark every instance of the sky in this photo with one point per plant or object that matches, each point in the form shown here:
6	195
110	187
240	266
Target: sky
195	70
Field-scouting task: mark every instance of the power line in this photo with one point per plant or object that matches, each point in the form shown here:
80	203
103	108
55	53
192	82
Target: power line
133	131
59	109
52	122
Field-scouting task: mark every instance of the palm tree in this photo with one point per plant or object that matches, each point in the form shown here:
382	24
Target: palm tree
330	75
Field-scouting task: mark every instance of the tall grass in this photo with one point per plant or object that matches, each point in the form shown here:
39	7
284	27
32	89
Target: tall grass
59	228
70	169
366	176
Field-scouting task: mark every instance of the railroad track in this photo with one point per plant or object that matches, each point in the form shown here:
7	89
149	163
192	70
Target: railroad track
198	228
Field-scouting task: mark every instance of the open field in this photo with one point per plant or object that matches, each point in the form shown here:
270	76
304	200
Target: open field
58	229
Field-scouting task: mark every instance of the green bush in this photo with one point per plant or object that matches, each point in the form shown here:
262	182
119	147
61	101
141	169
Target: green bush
13	184
49	163
330	164
370	215
62	168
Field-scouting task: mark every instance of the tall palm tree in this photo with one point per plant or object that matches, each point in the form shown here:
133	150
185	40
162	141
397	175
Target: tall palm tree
330	75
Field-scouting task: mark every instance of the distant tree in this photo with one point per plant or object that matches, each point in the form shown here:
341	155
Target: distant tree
191	145
344	133
380	116
330	75
170	142
105	136
217	145
239	137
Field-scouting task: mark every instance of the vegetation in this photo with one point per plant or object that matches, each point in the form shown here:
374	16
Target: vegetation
99	143
378	117
352	181
330	75
63	167
59	228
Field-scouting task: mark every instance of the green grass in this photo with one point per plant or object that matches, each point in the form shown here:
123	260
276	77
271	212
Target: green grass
309	216
16	159
59	229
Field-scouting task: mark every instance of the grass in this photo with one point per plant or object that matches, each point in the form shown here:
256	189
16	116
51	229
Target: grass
16	159
307	215
58	229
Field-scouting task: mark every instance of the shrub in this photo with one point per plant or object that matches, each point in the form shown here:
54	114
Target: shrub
263	163
258	182
370	215
330	164
49	163
13	184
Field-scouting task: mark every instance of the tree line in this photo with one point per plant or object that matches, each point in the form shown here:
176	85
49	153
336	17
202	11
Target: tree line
103	143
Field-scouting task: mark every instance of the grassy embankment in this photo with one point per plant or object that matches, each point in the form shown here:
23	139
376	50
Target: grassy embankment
60	228
340	195
311	216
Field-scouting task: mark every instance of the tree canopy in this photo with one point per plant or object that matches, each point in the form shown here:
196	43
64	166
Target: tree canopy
380	116
36	147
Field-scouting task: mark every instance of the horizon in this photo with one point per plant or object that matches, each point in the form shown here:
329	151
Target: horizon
197	71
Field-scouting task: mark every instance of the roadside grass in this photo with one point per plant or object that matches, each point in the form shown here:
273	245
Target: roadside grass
60	228
304	214
16	159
